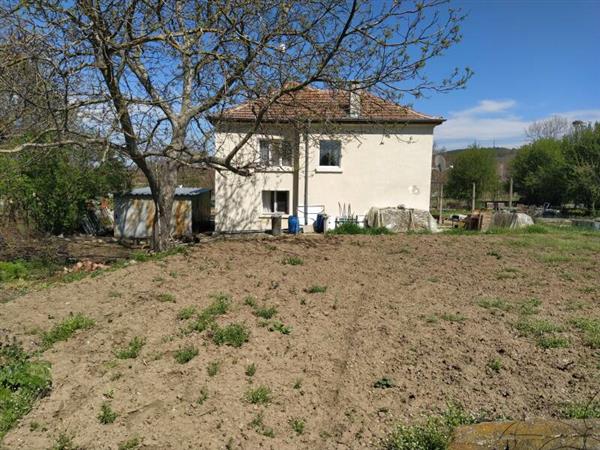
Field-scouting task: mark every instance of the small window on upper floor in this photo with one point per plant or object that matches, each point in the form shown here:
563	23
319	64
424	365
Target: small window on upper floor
330	153
275	153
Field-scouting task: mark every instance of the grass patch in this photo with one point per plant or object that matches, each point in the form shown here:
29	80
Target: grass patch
186	354
530	306
552	342
166	298
258	396
435	433
250	301
265	313
64	330
591	331
258	425
64	442
23	380
279	326
107	415
582	410
352	228
536	328
453	317
206	318
297	425
213	368
495	364
292	261
494	303
203	395
130	444
316	289
250	370
187	313
384	383
132	350
234	335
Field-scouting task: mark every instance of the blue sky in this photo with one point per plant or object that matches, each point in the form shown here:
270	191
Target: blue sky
532	59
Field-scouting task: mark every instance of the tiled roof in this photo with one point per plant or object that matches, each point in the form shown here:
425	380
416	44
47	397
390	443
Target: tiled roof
326	105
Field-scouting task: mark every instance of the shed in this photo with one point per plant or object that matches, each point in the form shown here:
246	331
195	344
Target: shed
134	212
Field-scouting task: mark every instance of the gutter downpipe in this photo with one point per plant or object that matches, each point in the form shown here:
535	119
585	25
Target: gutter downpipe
306	173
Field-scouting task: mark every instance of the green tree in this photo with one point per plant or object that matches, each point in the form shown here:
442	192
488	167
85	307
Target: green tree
582	152
540	173
474	165
53	187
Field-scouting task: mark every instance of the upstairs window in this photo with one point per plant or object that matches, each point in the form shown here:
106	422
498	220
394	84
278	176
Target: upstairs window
275	153
330	153
275	202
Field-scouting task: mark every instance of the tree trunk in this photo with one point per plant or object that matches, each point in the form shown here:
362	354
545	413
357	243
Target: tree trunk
164	197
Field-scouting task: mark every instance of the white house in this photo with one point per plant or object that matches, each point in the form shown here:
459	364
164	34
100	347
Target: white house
322	150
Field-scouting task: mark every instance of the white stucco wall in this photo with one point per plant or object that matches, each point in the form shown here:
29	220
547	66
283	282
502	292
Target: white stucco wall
380	166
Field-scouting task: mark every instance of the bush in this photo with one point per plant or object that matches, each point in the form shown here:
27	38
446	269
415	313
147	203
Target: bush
22	381
12	271
352	228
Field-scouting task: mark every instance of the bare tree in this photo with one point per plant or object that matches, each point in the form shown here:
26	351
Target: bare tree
553	128
144	76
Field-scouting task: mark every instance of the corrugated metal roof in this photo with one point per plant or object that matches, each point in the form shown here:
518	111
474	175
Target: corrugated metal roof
179	192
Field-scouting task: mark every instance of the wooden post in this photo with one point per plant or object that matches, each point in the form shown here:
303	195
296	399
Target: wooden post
510	193
473	199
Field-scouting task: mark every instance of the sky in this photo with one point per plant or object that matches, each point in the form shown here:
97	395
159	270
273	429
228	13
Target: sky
532	59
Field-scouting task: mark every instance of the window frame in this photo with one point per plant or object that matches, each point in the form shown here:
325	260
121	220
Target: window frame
266	158
334	167
274	202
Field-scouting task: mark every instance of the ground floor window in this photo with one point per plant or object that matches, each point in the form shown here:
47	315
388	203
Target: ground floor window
275	201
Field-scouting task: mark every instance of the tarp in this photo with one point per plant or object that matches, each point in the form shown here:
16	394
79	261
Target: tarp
401	220
504	219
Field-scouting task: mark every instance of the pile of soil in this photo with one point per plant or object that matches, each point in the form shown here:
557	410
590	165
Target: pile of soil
401	307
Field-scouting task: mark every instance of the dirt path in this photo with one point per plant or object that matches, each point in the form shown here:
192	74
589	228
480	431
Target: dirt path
406	308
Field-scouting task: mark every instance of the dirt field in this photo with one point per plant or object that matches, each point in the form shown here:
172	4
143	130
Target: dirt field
443	318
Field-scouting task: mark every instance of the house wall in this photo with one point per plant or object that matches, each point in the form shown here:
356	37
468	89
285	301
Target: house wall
380	166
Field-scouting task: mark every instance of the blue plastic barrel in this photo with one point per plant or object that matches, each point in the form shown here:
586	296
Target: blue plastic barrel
318	225
293	225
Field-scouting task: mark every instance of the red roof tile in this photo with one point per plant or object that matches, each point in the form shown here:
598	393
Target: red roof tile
326	105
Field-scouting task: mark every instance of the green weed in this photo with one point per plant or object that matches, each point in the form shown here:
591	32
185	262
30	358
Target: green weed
384	383
250	301
265	313
495	364
23	380
316	289
552	342
234	335
258	396
278	326
64	442
494	303
166	298
213	368
107	415
297	425
530	306
582	410
66	329
187	313
132	350
203	395
258	425
591	331
186	354
130	444
250	370
453	317
292	261
352	228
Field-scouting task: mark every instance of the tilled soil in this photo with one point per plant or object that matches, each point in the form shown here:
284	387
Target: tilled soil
402	307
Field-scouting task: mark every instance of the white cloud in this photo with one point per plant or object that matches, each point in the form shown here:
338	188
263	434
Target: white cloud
495	122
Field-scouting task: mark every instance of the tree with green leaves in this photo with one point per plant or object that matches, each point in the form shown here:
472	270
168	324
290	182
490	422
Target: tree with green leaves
582	152
540	172
474	165
143	77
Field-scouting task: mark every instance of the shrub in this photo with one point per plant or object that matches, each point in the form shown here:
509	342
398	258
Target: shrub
22	381
132	350
259	396
234	335
186	354
64	330
12	271
107	415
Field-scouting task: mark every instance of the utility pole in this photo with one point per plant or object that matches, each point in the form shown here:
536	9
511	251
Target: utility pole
510	193
441	202
473	199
